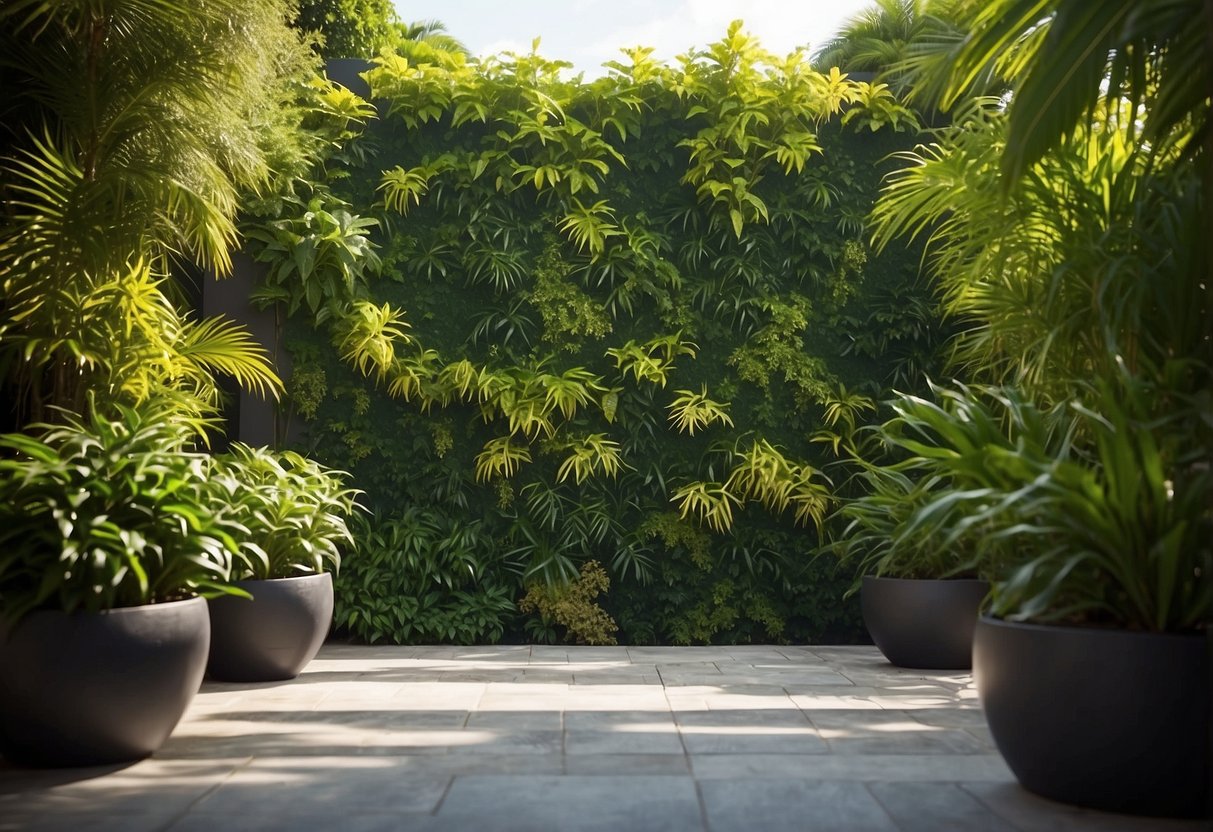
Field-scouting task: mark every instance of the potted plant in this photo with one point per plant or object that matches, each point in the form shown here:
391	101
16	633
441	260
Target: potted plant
920	598
1093	664
293	511
108	533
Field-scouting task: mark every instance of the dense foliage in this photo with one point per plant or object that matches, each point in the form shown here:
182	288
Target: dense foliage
1069	236
100	513
570	321
133	129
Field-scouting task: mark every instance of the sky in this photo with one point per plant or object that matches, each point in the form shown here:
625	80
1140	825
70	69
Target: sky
589	32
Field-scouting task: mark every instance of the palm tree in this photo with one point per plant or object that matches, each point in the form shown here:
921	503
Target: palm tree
886	36
1069	55
1072	57
132	135
432	33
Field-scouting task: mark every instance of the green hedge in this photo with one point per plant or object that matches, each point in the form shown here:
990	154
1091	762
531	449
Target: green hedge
704	223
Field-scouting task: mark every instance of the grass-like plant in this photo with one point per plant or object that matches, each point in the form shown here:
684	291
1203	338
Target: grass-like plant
1096	512
293	511
104	512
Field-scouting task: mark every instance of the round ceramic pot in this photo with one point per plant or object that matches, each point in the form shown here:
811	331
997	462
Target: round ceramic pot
273	636
1109	719
96	688
923	623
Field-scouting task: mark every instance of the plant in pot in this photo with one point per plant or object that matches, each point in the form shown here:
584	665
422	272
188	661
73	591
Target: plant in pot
1092	665
294	514
920	598
108	533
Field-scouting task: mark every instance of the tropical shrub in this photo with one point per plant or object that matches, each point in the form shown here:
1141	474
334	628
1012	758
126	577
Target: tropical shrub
1069	236
107	511
1093	512
293	512
133	129
420	577
572	607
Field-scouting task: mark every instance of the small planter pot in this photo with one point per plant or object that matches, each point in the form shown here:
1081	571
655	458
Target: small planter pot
85	689
923	623
273	636
1109	719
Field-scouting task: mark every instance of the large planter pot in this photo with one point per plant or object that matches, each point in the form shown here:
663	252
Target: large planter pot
273	636
1109	719
923	623
95	688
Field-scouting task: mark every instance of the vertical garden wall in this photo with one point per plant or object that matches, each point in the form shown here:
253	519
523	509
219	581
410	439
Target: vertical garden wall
551	322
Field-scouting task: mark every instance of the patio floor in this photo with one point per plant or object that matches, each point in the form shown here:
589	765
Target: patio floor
567	738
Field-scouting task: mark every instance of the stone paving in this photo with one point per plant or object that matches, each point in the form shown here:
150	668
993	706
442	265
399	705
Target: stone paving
632	739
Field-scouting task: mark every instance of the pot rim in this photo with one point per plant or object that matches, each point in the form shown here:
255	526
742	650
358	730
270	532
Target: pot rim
1095	632
926	580
309	576
155	605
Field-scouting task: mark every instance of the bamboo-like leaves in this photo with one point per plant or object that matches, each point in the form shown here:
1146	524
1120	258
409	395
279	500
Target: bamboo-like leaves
692	411
501	457
653	360
369	337
589	227
590	455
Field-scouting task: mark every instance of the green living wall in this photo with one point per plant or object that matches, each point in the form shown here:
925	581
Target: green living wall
628	321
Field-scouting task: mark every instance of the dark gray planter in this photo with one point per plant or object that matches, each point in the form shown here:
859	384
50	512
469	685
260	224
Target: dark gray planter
97	688
273	636
1110	719
923	623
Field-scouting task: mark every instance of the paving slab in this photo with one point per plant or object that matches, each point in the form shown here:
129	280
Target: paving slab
450	739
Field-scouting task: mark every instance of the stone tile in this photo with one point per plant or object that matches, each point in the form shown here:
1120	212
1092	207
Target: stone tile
516	720
653	721
1029	813
872	768
628	764
598	654
749	732
527	803
293	820
149	787
624	739
732	677
545	675
545	654
950	717
484	762
270	786
511	703
752	653
610	676
775	717
514	741
834	701
936	807
652	702
738	699
572	726
735	806
84	821
672	655
890	732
